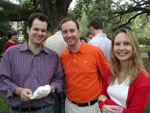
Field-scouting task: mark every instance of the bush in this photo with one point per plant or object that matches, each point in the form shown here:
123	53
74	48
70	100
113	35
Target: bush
144	41
2	42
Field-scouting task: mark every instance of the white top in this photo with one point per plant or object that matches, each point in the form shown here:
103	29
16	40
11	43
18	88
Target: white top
119	92
56	42
100	40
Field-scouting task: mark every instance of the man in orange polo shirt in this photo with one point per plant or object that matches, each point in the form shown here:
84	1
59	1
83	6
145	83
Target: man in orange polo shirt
84	66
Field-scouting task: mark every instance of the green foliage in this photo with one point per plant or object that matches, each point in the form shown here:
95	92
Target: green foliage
141	27
28	4
24	26
53	1
144	41
4	108
2	42
92	9
83	26
113	14
4	28
145	49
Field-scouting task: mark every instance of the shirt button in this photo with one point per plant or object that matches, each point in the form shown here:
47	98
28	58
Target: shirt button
85	62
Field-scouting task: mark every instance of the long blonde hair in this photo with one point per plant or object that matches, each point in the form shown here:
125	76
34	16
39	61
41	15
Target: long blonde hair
136	63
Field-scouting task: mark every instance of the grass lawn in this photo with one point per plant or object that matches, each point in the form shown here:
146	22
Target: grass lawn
4	108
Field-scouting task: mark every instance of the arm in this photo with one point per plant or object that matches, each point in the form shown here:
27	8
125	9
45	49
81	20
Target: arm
138	94
102	62
105	103
137	97
138	101
110	108
57	79
104	97
7	86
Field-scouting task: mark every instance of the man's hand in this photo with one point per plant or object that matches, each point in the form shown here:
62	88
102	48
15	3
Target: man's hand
42	91
24	93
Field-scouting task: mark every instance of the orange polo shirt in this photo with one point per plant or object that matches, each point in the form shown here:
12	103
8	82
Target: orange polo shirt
83	72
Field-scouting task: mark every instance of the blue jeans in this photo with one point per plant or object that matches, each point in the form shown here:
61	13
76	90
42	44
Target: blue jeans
48	109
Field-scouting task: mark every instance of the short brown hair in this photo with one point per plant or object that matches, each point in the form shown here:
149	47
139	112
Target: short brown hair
96	23
68	19
42	17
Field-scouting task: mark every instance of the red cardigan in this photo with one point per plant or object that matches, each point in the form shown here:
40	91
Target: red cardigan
7	45
138	93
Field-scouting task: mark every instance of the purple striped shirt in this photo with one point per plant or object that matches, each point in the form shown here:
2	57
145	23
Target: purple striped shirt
19	67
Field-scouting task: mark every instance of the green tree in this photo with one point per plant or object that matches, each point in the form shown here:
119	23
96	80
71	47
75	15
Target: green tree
54	9
113	14
4	28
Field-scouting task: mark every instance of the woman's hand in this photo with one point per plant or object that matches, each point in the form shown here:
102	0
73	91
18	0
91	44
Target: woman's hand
106	109
102	98
112	109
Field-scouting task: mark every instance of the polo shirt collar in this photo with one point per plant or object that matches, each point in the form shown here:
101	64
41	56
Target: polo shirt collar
80	50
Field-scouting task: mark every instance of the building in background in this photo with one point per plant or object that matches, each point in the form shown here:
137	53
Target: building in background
18	27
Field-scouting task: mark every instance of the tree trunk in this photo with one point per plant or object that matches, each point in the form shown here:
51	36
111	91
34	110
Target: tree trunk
55	10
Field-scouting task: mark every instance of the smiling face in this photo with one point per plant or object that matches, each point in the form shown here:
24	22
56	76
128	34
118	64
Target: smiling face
37	32
122	48
70	33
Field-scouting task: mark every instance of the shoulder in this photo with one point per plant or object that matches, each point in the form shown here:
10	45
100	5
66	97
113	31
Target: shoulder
64	53
143	79
49	40
7	42
14	48
143	75
54	37
54	40
95	38
93	49
100	39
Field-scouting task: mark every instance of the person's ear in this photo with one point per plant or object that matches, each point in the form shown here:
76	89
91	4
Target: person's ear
27	29
91	28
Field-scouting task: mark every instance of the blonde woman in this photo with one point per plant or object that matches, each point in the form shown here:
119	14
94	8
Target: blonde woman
126	85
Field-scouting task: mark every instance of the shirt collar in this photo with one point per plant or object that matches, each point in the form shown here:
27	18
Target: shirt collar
25	47
80	50
100	35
